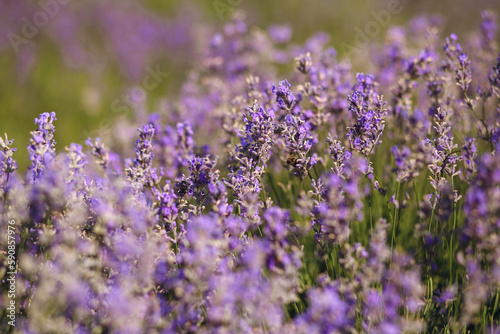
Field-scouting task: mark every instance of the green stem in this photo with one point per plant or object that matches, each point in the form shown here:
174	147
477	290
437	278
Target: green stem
260	231
432	218
370	210
385	195
452	233
316	172
264	193
489	137
495	306
294	194
416	195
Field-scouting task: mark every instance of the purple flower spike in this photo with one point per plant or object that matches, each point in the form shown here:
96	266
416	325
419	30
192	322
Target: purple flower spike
369	111
284	96
464	76
41	148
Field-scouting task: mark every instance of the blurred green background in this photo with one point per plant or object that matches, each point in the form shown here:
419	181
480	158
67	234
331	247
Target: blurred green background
42	77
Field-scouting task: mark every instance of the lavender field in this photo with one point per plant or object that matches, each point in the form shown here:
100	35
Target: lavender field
220	176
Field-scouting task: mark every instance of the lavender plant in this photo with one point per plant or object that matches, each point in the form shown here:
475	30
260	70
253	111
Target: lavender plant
310	206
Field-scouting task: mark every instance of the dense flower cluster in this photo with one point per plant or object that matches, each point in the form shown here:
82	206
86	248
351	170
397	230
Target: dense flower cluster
331	202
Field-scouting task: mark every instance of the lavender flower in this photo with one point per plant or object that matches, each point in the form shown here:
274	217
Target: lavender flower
142	172
299	140
252	156
184	142
257	141
441	155
202	172
369	111
328	313
480	205
280	33
463	78
218	194
406	166
435	89
469	156
99	151
494	78
42	145
7	165
366	132
452	48
338	153
284	96
488	30
167	206
304	63
338	204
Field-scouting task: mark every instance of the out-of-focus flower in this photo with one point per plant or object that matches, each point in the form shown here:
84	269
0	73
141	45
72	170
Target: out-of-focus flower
284	96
